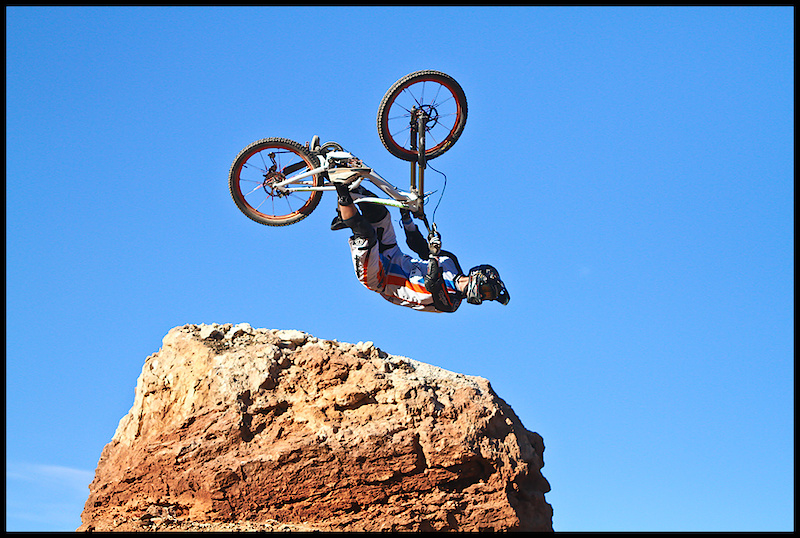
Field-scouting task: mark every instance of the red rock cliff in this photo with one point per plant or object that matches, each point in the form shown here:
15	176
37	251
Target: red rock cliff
235	428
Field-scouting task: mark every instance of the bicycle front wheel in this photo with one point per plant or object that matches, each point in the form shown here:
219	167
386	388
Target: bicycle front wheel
435	93
257	173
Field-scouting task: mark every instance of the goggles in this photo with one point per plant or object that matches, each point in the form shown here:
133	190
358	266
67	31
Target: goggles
488	292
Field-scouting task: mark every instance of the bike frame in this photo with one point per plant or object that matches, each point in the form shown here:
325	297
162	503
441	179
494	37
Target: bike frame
397	198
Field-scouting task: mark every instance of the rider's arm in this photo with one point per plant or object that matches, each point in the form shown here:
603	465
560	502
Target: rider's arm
435	284
417	243
414	238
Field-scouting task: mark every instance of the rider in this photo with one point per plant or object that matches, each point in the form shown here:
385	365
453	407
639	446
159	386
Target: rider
435	285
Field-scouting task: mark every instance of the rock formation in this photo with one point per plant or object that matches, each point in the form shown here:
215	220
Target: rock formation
235	428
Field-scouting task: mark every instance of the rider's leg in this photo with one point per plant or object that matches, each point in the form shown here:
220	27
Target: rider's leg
371	215
380	219
353	219
373	245
372	212
368	263
381	232
364	247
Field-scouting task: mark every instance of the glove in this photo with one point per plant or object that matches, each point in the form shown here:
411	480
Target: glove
434	243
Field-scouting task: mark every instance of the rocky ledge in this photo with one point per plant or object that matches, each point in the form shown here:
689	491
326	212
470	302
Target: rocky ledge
236	428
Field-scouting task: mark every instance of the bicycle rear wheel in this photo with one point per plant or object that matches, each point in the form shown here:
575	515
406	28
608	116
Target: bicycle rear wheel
439	96
263	164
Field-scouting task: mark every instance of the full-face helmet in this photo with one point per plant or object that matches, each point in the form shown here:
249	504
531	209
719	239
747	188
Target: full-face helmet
485	285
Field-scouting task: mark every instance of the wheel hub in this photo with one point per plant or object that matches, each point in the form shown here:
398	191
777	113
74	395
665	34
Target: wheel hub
429	114
271	178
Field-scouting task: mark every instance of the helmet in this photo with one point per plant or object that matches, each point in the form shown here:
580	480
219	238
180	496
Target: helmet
485	285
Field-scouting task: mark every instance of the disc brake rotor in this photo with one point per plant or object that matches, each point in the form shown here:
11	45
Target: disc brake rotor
432	114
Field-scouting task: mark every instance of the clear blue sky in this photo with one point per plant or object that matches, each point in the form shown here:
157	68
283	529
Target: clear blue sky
630	172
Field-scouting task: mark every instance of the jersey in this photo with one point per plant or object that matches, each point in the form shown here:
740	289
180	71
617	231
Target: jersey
401	278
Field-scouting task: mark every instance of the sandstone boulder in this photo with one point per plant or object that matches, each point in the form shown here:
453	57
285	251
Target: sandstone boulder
235	428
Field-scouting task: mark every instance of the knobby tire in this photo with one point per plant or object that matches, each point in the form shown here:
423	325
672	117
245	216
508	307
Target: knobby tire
250	176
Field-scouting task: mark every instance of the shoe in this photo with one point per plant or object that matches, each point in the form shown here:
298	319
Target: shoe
337	223
346	176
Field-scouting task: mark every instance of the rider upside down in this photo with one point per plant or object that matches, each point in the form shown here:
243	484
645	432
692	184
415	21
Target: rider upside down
432	283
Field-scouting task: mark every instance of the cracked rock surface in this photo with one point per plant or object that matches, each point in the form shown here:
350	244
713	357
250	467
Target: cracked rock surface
236	428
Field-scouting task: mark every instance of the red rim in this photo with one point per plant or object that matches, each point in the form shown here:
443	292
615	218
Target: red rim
398	92
305	209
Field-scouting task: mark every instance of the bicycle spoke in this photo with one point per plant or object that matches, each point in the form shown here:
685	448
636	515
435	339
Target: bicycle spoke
408	110
428	100
407	138
254	167
421	101
449	98
400	113
401	117
260	195
271	182
258	207
439	89
413	97
403	128
257	187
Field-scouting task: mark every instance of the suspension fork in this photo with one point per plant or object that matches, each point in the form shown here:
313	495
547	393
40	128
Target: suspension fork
418	120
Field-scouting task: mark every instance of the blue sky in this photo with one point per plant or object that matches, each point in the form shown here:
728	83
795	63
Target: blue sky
629	171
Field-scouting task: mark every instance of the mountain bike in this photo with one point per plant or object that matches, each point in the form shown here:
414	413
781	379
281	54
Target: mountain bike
278	181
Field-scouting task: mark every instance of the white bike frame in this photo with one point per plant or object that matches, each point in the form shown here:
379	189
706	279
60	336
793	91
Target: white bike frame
397	198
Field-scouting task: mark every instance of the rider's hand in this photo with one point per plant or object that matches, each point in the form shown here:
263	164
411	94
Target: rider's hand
434	243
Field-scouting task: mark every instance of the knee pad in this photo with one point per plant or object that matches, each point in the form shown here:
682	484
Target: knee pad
373	212
362	229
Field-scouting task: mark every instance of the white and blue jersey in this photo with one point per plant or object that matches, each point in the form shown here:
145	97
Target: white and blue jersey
400	278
